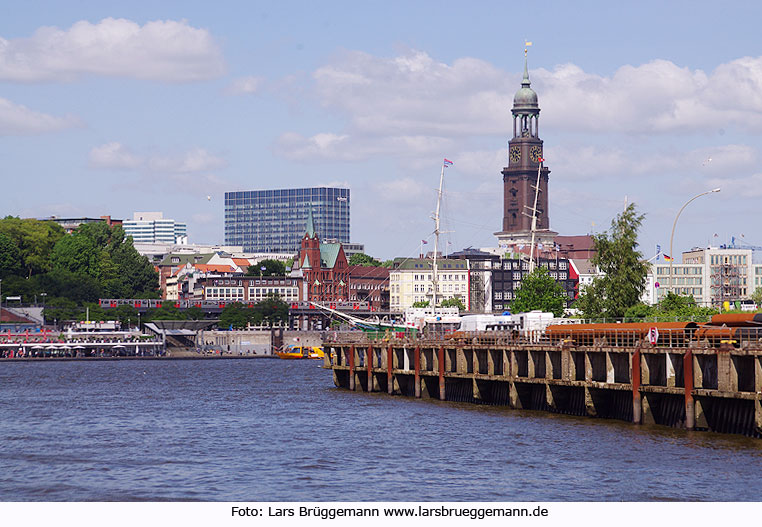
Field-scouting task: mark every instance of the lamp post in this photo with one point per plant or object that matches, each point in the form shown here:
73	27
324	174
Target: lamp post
43	295
672	237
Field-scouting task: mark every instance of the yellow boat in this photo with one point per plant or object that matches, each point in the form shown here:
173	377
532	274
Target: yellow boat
291	352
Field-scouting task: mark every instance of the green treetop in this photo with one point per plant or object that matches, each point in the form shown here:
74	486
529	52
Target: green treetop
617	256
539	291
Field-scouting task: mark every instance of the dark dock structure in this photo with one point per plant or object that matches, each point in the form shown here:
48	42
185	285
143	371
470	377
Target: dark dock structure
676	374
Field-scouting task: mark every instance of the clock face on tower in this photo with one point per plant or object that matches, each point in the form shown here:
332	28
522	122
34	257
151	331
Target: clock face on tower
535	153
515	154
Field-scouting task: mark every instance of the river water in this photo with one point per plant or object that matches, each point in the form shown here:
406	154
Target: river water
272	430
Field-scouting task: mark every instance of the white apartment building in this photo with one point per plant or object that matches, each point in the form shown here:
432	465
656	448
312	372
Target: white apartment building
411	280
713	276
152	227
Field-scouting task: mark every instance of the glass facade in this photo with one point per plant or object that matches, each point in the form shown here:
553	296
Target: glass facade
276	220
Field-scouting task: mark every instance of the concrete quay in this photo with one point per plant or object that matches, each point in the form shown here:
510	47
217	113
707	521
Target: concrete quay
691	385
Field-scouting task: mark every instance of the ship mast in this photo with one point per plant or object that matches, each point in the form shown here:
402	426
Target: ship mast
534	216
436	237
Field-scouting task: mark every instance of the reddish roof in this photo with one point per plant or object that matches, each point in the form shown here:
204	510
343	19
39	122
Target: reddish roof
214	268
577	243
242	262
9	316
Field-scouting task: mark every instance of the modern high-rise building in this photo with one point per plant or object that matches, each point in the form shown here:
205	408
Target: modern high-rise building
275	220
153	227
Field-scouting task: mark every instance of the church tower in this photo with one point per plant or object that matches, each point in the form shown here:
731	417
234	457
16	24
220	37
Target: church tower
525	156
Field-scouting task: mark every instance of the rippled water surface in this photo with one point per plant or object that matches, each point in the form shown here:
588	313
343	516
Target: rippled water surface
271	430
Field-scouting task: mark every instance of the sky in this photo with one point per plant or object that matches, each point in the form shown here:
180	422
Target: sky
108	108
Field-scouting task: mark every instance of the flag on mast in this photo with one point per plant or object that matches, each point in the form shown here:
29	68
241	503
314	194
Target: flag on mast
447	162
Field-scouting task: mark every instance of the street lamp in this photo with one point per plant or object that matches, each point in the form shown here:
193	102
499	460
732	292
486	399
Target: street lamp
43	295
672	237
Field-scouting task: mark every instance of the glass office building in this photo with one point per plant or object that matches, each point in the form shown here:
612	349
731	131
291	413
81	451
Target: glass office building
276	220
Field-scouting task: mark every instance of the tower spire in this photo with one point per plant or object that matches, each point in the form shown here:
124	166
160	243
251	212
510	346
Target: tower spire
310	222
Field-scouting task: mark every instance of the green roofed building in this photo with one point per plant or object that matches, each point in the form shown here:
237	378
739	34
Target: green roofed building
323	266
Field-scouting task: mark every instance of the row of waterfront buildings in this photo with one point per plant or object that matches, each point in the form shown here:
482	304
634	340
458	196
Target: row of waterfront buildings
312	227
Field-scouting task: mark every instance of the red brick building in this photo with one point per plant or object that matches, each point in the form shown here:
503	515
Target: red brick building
369	284
324	267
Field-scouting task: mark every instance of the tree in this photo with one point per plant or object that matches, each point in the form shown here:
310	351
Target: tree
364	260
134	273
267	268
77	254
271	310
34	239
624	270
421	303
671	308
165	312
453	302
195	313
539	291
10	257
756	296
125	314
235	315
59	309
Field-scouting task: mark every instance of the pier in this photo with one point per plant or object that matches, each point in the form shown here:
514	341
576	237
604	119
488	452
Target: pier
707	384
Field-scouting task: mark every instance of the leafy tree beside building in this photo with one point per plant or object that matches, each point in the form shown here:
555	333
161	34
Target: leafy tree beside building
267	268
95	261
539	291
364	260
618	257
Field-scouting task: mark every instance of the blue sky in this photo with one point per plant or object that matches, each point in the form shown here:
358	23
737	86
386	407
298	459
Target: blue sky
116	107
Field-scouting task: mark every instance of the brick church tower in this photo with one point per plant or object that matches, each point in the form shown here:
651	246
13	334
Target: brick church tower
525	158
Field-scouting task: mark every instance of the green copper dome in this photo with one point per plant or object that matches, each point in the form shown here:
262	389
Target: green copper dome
525	98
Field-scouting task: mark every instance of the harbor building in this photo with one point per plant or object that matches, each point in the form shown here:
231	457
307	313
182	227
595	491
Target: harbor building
494	280
273	221
411	280
712	275
153	227
323	267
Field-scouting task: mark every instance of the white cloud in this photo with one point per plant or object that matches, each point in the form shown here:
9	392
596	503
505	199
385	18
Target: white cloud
657	97
116	156
345	147
746	187
16	119
246	85
163	50
405	190
415	95
196	160
413	106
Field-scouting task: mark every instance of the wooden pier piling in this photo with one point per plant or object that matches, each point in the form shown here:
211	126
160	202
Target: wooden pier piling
692	385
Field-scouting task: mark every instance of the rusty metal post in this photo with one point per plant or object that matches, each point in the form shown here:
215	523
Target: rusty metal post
440	360
690	411
352	368
637	402
417	359
369	362
389	363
